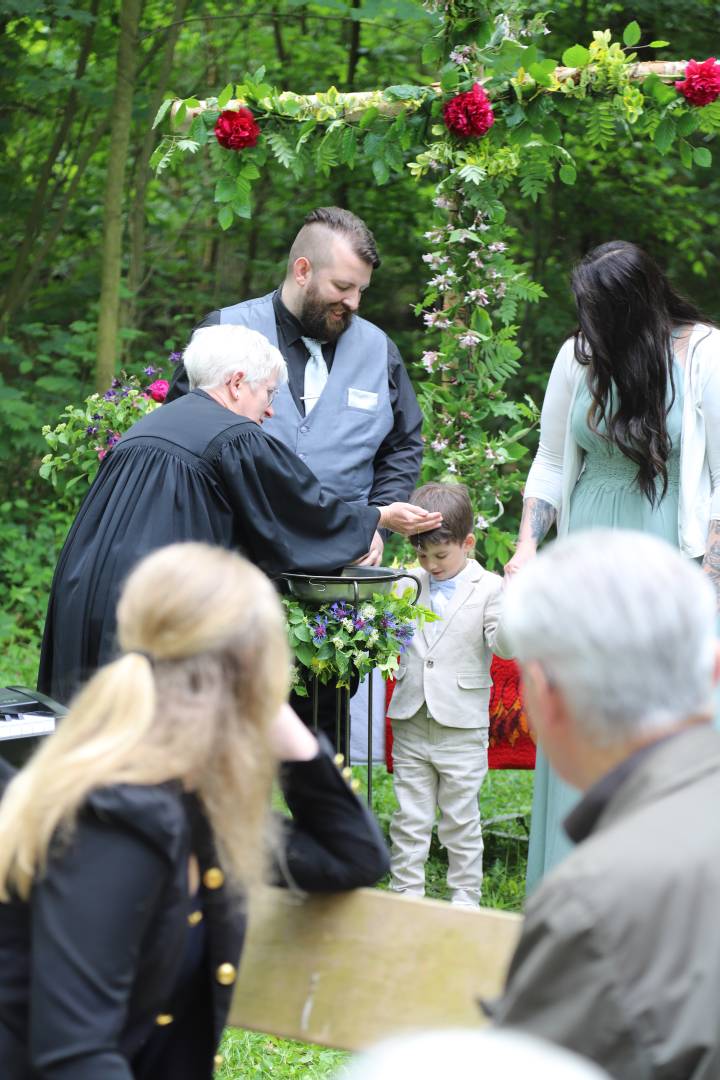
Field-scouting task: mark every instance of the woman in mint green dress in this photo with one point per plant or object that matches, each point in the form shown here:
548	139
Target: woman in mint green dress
629	439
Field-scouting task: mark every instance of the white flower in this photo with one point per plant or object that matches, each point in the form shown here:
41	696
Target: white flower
452	468
338	643
481	522
439	444
478	296
469	340
436	319
498	246
443	281
372	637
347	624
368	611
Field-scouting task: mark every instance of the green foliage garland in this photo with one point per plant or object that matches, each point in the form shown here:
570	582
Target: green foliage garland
476	293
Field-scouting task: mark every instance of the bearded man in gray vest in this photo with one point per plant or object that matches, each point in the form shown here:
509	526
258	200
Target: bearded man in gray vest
348	409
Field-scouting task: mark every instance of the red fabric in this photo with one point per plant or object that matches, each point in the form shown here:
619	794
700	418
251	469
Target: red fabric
511	746
389	687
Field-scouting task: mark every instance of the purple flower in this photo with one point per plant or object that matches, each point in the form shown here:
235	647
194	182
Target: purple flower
175	357
91	430
113	438
149	371
388	621
359	623
97	416
110	395
340	610
115	383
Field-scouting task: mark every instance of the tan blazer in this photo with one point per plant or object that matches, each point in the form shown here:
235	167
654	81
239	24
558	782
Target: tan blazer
619	957
447	664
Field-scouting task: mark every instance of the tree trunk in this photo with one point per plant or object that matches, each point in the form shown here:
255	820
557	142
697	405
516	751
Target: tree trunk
136	217
120	120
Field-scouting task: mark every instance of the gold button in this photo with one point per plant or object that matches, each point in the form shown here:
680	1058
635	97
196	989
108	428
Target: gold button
163	1019
347	772
355	785
219	1060
339	760
213	878
194	918
226	974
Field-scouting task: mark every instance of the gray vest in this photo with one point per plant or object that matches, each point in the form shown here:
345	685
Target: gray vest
353	416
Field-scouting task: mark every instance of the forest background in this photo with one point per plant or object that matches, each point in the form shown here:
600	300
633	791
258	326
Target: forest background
59	77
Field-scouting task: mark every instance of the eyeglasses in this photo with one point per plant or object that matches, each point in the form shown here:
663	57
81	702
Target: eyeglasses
272	393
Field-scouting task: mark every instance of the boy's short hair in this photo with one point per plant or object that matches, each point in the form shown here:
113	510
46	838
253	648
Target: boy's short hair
453	502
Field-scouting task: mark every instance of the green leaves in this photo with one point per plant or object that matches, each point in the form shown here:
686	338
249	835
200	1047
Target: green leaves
576	56
632	34
162	111
702	157
225	96
665	134
600	125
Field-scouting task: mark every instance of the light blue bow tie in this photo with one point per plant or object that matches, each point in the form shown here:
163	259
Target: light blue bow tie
447	588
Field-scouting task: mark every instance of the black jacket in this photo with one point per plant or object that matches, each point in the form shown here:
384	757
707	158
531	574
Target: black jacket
91	969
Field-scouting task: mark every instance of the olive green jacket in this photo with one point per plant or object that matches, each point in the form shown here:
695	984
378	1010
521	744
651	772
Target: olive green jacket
619	958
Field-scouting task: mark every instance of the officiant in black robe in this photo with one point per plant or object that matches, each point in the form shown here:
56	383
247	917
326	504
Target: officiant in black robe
200	468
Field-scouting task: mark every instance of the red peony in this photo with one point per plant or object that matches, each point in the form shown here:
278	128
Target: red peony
469	115
701	85
236	128
158	389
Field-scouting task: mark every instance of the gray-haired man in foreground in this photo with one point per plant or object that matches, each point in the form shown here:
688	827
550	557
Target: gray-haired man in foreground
619	958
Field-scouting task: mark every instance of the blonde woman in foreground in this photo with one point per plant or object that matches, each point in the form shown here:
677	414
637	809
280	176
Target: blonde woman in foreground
128	842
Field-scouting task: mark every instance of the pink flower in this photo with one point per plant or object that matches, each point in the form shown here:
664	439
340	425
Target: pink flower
158	389
701	85
469	115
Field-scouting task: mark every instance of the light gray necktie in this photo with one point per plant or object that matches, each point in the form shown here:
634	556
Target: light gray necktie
316	374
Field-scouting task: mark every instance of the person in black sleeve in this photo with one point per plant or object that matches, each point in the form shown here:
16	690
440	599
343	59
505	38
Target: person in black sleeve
128	843
203	468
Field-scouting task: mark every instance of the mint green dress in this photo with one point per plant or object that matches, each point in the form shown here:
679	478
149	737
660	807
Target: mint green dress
606	496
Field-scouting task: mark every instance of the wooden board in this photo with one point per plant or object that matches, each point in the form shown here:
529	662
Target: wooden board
348	969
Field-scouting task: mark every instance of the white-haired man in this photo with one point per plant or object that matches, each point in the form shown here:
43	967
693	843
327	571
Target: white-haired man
201	468
619	957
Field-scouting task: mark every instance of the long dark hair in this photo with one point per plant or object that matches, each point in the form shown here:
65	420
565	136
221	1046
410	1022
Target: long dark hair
627	311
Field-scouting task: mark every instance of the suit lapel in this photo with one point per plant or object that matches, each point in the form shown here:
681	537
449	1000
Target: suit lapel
424	601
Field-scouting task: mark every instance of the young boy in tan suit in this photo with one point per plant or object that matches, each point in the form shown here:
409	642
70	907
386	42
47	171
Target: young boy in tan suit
439	708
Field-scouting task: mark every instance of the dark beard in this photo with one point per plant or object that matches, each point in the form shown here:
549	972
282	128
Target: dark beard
316	321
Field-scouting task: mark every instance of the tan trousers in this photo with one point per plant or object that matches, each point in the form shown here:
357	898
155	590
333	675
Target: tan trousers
437	767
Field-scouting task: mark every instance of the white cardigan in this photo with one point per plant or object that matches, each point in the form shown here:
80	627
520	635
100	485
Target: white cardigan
559	460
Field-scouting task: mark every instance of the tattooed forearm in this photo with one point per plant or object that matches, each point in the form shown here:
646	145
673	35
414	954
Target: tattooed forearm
711	562
537	517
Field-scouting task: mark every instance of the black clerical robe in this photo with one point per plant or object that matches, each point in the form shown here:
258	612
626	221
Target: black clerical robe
192	470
